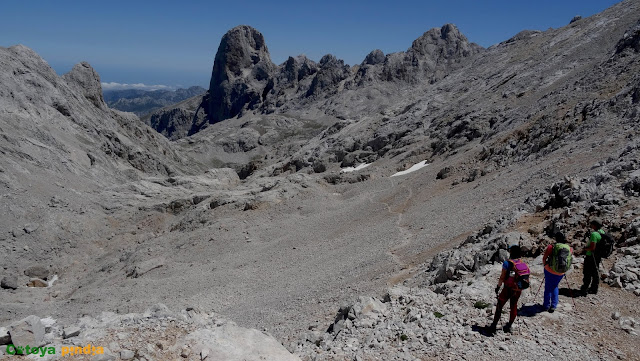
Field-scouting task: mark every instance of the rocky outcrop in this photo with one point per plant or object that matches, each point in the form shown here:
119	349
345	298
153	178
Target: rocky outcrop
84	79
179	120
630	40
295	69
331	72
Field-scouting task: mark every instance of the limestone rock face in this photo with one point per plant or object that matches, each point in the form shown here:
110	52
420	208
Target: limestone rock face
241	73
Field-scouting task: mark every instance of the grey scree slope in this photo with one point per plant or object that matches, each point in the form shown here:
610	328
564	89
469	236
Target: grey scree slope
249	216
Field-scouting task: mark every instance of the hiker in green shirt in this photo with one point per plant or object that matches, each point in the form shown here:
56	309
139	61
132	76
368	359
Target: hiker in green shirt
591	278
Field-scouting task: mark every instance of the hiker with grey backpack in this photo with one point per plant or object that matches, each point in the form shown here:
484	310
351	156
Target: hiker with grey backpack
557	261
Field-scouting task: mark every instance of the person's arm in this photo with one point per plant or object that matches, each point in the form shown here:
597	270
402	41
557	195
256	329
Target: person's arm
547	253
591	245
503	275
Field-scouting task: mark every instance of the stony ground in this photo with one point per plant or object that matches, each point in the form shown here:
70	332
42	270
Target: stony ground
252	219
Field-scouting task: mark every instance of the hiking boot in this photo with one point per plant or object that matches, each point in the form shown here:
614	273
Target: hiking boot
592	291
491	330
507	328
551	310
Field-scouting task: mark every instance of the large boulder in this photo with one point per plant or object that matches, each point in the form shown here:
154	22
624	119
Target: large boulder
27	332
37	272
367	307
233	343
9	282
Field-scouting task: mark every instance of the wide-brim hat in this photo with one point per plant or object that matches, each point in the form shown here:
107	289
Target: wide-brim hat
597	222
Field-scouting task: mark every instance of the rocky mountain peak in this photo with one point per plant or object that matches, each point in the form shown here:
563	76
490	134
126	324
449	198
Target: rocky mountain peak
84	79
241	69
295	69
240	48
447	42
330	60
374	57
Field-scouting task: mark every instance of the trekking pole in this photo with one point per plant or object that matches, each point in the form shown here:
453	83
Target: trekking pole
571	293
538	291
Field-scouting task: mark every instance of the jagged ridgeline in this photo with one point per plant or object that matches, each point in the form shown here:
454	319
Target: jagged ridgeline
244	79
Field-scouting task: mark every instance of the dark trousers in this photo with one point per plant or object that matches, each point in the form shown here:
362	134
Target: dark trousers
590	279
511	295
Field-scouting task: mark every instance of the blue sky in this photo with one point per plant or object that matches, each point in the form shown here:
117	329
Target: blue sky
171	43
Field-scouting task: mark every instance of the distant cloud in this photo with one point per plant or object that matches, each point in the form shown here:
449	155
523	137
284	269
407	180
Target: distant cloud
140	86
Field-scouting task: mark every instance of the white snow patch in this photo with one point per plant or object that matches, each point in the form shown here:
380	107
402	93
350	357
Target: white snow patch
413	168
353	169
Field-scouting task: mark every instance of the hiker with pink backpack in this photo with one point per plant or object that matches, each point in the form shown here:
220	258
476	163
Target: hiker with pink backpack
515	277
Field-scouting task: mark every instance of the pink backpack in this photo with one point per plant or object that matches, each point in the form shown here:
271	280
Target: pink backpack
518	277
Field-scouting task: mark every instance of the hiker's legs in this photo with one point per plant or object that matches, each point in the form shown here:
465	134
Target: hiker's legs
502	300
588	270
498	313
546	301
595	276
551	282
513	304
